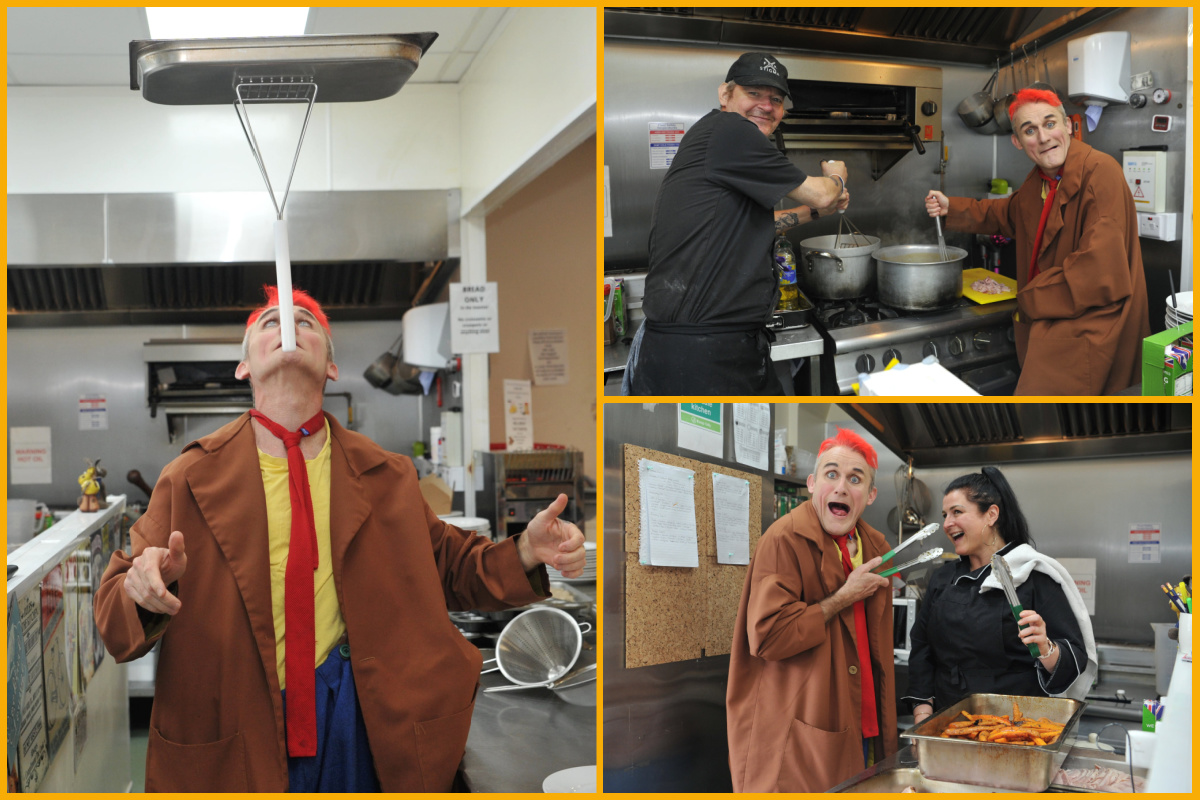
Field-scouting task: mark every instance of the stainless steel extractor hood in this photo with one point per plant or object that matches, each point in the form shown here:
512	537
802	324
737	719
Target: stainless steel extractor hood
971	434
203	257
965	35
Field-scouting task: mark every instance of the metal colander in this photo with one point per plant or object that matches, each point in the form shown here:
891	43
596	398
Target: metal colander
539	646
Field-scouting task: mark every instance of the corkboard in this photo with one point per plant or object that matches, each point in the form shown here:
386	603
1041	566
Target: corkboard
661	619
723	593
673	613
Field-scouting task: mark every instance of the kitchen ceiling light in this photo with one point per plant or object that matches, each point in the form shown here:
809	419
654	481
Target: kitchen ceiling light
217	23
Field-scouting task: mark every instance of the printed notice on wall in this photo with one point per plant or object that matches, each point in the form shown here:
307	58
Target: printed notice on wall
93	413
474	318
1083	571
668	517
1145	541
751	434
548	353
607	204
731	516
518	415
29	455
700	428
664	142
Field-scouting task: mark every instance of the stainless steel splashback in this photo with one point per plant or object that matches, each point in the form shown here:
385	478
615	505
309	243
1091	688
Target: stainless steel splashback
228	227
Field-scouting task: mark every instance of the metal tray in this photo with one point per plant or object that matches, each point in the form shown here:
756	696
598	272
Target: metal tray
1003	766
346	68
897	779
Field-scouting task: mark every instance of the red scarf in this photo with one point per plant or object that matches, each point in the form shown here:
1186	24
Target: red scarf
870	722
1037	241
299	636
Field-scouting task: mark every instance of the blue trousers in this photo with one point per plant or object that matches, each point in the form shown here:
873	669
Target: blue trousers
343	761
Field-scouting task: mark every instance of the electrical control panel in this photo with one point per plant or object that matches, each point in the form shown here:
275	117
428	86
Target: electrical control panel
1146	172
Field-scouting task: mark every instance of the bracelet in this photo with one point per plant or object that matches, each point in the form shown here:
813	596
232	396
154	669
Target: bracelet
841	183
1050	652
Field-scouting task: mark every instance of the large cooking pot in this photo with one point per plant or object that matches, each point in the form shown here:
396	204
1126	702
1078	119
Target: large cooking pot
832	272
914	277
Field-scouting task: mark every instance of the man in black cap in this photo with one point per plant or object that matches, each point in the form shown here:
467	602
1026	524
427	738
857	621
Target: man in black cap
711	285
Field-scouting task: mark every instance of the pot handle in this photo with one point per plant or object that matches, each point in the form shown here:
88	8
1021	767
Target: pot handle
823	254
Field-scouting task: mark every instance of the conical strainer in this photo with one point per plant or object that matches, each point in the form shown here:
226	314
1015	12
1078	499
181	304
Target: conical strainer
539	646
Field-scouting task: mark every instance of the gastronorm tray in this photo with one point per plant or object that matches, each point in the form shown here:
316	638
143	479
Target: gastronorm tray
1003	766
345	68
977	274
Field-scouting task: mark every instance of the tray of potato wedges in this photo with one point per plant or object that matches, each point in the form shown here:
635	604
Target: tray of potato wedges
1000	741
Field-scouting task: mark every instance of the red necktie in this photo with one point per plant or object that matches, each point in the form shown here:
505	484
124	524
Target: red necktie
299	632
1037	241
870	725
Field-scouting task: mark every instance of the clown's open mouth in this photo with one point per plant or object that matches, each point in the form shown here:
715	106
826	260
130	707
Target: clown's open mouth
839	509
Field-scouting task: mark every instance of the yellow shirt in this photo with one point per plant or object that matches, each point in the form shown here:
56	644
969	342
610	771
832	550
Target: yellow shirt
330	627
856	559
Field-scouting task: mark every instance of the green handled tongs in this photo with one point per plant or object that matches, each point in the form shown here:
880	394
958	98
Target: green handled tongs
916	537
928	555
1004	575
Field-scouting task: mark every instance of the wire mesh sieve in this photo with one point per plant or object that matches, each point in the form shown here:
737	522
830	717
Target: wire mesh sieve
539	646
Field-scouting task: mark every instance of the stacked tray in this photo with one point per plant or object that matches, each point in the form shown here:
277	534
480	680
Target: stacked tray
589	567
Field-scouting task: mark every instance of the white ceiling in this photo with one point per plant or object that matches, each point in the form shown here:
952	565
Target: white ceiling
90	46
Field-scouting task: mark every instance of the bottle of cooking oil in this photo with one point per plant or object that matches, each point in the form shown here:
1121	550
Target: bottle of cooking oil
785	260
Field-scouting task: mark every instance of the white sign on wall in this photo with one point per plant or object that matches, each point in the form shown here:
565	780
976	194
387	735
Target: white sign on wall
474	318
93	413
518	415
664	142
1145	543
548	353
1083	571
29	455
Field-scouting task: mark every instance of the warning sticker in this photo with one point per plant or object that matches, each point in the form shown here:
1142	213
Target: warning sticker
664	142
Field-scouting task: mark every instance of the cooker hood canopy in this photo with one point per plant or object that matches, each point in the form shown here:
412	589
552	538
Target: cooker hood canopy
961	35
971	434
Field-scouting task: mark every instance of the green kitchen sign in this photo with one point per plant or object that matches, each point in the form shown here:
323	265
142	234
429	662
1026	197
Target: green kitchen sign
703	415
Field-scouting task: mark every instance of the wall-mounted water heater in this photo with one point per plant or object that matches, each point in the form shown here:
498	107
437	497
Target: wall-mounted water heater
1098	69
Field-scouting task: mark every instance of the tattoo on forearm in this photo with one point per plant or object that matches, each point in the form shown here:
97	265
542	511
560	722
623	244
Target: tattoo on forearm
786	221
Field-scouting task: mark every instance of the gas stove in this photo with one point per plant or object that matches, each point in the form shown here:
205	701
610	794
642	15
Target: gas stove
975	342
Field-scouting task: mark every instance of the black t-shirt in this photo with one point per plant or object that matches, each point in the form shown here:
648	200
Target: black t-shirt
713	225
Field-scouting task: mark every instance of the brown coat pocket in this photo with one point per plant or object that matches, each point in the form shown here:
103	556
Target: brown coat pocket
815	759
210	767
1057	366
440	746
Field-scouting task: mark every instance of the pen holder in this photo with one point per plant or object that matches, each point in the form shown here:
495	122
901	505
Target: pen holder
1185	635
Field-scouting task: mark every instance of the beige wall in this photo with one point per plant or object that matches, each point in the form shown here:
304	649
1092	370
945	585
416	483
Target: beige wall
541	251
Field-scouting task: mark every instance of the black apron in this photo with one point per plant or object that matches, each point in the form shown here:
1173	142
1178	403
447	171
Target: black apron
705	360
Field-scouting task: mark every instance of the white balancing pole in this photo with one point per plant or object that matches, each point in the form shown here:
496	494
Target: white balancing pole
283	279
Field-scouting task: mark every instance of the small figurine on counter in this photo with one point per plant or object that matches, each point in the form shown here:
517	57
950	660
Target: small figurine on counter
92	484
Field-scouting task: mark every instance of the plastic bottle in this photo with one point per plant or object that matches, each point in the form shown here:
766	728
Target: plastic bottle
785	260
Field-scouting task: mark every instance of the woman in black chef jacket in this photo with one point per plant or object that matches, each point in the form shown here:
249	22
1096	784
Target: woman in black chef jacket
965	640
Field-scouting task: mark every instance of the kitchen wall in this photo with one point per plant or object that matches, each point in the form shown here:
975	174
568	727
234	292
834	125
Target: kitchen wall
654	80
541	241
50	368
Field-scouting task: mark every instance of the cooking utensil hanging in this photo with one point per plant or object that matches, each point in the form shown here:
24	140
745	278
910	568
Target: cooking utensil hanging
285	69
928	555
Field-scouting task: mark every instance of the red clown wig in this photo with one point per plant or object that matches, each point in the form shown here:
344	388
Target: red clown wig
300	298
1027	96
851	441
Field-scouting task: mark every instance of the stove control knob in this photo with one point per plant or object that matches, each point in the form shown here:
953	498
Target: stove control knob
865	363
929	108
982	340
956	346
930	349
889	354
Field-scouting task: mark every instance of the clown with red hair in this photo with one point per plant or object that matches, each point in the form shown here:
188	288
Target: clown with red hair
297	585
1081	288
811	699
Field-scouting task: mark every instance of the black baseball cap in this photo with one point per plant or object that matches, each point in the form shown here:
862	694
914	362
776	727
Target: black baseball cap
759	69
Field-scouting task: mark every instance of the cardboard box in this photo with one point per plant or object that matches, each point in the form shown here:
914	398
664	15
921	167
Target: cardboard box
1167	363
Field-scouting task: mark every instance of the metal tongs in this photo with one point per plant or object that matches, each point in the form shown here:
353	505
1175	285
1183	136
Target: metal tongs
851	230
1004	575
924	533
928	555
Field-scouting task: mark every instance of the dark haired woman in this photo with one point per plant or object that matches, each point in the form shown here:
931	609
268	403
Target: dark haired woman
965	640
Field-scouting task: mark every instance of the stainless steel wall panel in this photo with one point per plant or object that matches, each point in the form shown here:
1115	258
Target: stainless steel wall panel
56	229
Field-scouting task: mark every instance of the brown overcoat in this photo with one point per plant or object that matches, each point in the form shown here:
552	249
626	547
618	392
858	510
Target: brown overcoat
1081	321
794	701
217	721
